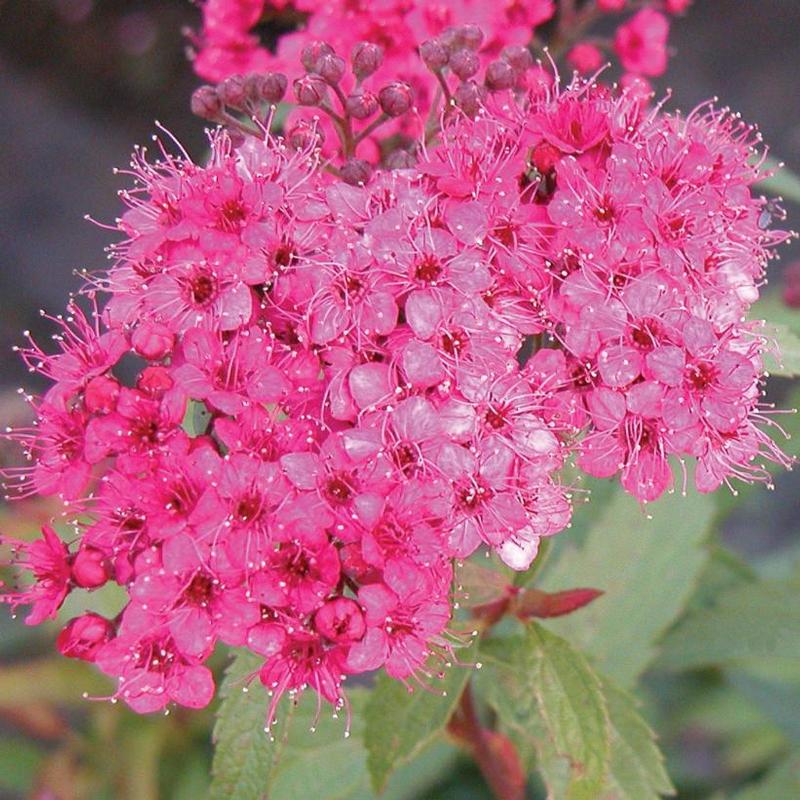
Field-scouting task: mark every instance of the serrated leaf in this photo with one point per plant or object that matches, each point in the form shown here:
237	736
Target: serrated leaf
244	755
786	363
750	621
636	770
647	569
545	690
399	724
781	782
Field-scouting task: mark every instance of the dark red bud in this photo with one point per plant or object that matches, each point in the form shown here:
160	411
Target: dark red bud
356	172
464	63
361	104
206	103
396	98
518	56
331	68
83	636
500	75
470	97
366	58
304	135
90	568
272	87
310	90
235	91
100	395
434	54
312	53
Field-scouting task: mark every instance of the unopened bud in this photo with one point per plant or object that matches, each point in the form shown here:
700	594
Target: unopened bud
155	382
100	395
471	36
518	56
500	75
366	58
304	135
235	91
396	98
310	90
464	63
356	172
83	636
331	68
470	97
90	568
544	157
272	87
434	54
152	340
312	53
206	103
340	620
361	104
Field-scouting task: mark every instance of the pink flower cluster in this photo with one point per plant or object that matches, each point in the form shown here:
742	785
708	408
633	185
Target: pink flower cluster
304	399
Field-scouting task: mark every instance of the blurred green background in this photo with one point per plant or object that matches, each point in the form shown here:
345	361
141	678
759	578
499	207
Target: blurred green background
81	81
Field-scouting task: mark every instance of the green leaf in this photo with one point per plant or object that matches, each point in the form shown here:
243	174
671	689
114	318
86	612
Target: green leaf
196	418
786	363
751	621
244	756
647	568
545	691
781	783
784	183
770	307
400	724
19	762
636	771
777	698
50	680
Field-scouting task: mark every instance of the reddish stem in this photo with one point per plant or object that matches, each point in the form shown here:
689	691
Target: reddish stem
503	775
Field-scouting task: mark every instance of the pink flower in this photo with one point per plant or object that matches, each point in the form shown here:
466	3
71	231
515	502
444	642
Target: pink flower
641	43
48	561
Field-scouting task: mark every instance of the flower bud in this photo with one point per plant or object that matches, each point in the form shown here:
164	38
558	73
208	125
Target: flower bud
470	36
356	172
155	382
434	54
464	63
312	53
330	68
544	157
340	620
470	97
83	636
152	340
272	87
518	56
310	90
206	103
366	58
396	98
234	91
361	104
90	567
500	75
304	135
100	395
